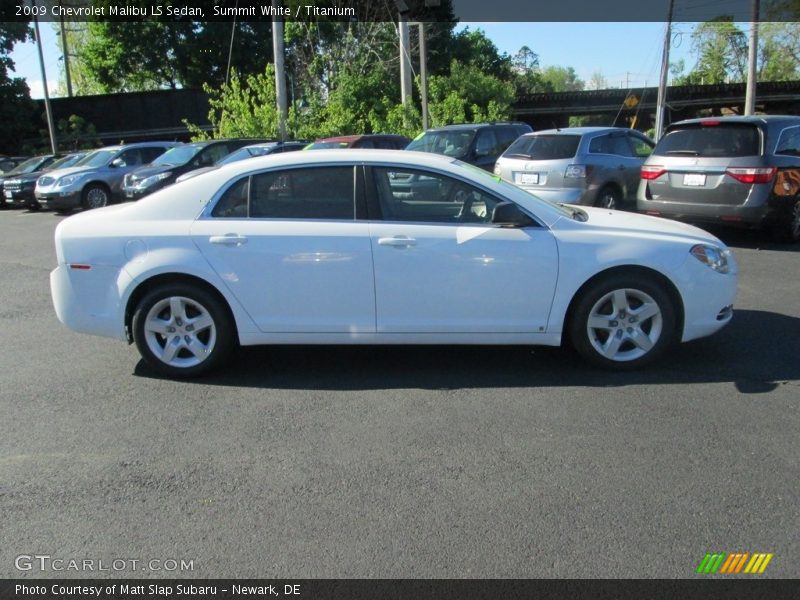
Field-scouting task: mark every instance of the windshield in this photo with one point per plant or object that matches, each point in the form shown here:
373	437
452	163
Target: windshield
180	155
65	161
28	166
245	152
327	145
98	158
544	147
449	143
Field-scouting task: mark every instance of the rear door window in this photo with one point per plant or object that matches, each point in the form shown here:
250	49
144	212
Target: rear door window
710	141
789	142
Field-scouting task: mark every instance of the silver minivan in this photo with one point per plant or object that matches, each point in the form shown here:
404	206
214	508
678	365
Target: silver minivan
592	166
737	171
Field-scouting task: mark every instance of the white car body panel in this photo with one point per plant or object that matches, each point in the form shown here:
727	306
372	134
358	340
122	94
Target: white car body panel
310	282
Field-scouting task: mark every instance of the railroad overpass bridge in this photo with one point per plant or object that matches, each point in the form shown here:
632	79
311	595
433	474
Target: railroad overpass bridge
160	114
637	106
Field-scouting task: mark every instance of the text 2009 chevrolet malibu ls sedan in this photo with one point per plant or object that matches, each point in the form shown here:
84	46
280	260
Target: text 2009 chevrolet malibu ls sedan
381	247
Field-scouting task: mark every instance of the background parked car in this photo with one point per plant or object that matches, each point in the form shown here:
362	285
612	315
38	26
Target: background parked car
593	166
742	171
386	141
250	151
32	164
96	179
479	144
18	189
165	169
9	162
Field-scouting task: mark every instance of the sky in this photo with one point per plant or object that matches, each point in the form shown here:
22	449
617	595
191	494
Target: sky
626	54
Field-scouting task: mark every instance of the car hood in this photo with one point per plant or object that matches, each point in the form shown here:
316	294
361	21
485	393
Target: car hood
28	177
58	173
149	171
630	223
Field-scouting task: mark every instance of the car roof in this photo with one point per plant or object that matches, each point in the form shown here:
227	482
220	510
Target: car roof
578	130
754	119
472	126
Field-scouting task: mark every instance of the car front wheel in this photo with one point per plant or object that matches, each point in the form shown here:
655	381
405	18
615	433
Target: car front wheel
182	330
95	196
623	322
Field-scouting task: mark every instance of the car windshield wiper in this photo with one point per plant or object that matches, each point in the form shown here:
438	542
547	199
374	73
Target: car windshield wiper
518	155
687	152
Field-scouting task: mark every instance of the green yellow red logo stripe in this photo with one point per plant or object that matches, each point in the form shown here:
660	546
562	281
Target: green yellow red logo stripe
728	563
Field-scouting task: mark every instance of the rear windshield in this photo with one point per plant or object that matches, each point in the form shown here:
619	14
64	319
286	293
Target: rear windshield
713	141
544	147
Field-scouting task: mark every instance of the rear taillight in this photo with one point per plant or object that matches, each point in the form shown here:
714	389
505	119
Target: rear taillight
652	171
752	175
575	171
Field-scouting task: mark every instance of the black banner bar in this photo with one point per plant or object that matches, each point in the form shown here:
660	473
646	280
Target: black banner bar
399	589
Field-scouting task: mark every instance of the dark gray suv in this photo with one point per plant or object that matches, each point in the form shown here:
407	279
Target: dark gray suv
742	171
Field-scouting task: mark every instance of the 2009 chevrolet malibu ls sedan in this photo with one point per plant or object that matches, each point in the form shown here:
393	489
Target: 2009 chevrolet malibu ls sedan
381	247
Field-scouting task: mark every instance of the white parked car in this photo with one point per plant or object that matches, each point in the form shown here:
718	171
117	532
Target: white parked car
381	247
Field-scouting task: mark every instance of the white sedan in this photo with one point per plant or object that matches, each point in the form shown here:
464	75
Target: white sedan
381	247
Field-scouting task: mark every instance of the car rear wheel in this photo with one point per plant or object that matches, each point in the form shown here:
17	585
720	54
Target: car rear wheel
623	322
182	330
609	197
95	196
787	229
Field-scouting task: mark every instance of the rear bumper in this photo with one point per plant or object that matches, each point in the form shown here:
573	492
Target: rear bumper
559	196
751	216
89	301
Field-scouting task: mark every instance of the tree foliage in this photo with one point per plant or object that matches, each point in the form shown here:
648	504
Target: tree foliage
17	110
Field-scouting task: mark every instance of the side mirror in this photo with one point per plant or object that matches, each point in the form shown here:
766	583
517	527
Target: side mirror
508	214
117	163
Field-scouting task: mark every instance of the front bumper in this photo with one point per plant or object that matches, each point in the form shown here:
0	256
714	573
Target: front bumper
19	197
59	200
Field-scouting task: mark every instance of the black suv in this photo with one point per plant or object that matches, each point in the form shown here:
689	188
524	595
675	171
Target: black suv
165	169
479	144
742	171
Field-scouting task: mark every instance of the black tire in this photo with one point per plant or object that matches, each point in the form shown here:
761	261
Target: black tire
195	350
626	337
95	195
609	197
787	228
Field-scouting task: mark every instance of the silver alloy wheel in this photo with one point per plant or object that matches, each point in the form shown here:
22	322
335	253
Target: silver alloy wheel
624	324
96	197
180	332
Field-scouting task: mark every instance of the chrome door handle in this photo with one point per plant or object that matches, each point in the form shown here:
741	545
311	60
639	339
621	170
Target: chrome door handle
229	239
397	241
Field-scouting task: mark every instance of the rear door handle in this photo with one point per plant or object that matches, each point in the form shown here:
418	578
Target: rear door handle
229	239
397	241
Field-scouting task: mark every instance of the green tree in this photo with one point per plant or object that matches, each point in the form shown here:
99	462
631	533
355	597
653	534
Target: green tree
468	95
17	110
526	71
721	49
142	55
560	79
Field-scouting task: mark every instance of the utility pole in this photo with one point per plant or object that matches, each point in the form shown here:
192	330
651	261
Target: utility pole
423	74
66	54
50	125
752	60
280	78
662	85
405	57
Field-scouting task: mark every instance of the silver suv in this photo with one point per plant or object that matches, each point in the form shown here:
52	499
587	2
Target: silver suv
593	166
95	180
742	171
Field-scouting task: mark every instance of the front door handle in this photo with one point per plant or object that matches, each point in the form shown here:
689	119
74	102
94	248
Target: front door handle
398	241
229	239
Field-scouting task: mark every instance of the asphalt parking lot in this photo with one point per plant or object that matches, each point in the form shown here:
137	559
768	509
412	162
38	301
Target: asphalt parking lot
398	462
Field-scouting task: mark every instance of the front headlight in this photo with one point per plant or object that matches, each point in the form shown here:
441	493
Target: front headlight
69	180
148	181
711	256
